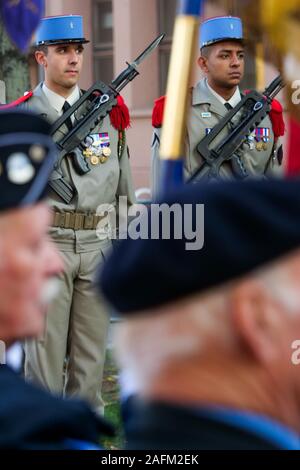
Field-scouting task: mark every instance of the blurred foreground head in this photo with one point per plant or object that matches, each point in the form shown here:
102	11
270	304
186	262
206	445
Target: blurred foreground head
28	259
217	325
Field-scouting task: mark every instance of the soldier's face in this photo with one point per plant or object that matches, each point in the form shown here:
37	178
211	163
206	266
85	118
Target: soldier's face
28	261
224	64
62	65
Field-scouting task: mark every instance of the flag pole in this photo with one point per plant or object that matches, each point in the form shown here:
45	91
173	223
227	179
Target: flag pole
181	63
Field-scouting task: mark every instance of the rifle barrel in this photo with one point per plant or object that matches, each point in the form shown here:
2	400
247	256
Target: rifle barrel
276	83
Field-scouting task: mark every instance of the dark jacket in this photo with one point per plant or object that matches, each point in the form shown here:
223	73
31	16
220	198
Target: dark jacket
158	426
31	418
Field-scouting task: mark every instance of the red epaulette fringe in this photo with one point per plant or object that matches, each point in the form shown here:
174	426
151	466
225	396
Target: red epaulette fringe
276	116
119	115
158	111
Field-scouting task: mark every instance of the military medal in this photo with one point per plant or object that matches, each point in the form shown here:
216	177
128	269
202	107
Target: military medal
106	152
94	160
250	141
262	135
87	153
98	148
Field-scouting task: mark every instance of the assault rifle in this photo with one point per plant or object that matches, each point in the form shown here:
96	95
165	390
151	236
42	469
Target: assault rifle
88	112
254	107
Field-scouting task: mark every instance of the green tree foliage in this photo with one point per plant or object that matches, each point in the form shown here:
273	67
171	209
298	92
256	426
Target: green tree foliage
14	70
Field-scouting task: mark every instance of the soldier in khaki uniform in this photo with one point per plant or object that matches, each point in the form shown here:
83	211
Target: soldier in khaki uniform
222	62
77	322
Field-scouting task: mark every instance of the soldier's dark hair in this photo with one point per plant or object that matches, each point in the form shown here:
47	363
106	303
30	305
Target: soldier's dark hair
205	51
43	48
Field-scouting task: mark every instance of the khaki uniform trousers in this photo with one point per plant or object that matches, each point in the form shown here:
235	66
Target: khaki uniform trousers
76	327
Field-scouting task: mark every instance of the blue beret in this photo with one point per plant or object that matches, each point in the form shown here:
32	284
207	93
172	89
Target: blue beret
220	28
247	224
60	30
27	156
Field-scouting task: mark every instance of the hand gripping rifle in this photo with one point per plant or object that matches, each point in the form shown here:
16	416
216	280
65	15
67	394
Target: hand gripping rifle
88	111
254	107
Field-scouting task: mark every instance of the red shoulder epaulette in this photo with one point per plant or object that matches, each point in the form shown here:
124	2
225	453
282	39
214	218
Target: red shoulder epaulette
276	116
119	115
158	111
17	102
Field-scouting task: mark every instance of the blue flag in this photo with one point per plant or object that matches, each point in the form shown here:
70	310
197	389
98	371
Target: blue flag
21	18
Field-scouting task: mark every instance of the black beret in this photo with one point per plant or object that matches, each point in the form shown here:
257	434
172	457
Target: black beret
246	224
27	156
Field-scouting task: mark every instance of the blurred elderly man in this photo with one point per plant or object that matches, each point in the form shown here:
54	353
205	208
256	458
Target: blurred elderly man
29	263
209	335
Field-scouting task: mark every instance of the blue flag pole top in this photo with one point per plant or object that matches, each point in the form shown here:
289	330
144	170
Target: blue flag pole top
21	18
189	7
181	63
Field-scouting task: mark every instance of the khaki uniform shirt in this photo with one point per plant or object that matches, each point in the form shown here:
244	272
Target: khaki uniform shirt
205	112
102	185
